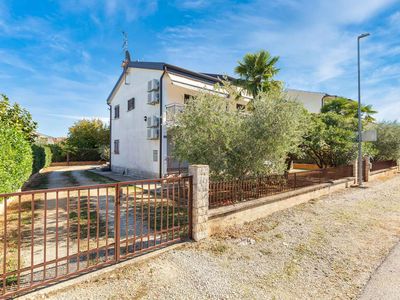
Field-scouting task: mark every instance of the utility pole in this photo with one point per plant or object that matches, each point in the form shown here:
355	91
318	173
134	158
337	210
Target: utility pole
360	158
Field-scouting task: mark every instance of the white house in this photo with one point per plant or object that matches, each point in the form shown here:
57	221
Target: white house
140	102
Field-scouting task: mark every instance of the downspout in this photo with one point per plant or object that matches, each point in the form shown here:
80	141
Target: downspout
109	105
161	121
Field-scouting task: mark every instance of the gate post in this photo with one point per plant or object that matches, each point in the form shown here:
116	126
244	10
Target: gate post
366	168
200	174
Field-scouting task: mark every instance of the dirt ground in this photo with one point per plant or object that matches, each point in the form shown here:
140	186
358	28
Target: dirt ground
327	248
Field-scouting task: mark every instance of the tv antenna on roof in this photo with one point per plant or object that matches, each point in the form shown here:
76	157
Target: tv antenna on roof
125	41
127	59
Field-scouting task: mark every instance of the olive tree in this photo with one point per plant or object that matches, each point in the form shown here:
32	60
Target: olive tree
388	143
237	143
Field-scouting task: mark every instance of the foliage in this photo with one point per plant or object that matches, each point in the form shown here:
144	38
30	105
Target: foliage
88	134
15	158
331	139
349	108
58	155
17	117
42	157
105	152
256	72
85	139
388	143
236	143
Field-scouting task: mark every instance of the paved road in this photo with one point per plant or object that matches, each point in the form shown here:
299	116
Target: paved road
385	282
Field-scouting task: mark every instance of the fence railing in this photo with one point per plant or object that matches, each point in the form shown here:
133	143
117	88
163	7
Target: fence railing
383	164
48	235
226	192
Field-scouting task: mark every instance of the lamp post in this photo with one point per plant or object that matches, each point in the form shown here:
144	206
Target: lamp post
360	180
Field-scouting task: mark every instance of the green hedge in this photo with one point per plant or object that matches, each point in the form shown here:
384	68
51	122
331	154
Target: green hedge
57	153
15	159
42	157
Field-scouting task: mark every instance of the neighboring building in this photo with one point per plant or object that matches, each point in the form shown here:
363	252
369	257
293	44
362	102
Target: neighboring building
312	101
146	91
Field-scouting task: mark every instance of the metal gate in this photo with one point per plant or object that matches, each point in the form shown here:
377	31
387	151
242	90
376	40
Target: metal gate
49	235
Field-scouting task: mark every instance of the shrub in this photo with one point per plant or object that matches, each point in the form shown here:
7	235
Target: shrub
238	143
42	157
15	158
57	152
388	143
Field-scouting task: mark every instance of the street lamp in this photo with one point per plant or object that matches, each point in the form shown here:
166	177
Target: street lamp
360	180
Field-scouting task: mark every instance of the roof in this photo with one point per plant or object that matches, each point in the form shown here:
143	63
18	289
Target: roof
209	78
205	77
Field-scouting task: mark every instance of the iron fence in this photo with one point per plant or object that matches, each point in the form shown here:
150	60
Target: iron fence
226	192
383	164
49	235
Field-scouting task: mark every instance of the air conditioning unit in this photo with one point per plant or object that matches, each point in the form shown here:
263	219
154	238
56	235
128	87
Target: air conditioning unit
153	133
153	97
153	85
152	121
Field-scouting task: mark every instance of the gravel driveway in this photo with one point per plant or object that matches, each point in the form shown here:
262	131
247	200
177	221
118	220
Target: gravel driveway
327	248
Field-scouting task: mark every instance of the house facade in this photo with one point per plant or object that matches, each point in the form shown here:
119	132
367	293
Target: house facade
142	100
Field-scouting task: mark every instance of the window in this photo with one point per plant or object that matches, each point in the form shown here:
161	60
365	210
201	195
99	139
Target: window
240	107
116	146
187	98
116	112
155	155
131	104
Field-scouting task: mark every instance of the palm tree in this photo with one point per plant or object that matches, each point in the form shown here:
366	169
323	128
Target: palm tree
256	72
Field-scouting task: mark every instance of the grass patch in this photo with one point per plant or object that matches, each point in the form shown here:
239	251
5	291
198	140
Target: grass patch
85	217
164	217
98	178
40	182
219	248
266	252
70	178
13	233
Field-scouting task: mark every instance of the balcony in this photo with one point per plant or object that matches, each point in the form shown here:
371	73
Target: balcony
171	111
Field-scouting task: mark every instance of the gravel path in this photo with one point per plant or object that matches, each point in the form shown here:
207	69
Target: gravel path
385	282
327	248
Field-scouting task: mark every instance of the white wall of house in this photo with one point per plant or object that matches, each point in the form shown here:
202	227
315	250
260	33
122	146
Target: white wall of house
135	150
312	101
139	156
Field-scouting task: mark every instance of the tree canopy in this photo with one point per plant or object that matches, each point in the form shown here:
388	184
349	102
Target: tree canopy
349	109
17	117
88	134
237	143
388	143
331	139
87	140
256	72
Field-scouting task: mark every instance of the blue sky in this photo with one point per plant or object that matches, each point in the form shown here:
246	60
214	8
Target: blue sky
60	59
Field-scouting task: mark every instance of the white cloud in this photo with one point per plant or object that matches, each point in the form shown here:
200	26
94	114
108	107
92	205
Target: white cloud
14	61
193	4
131	10
78	117
316	42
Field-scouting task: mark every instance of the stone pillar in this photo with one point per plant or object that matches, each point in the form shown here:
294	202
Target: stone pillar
366	168
200	175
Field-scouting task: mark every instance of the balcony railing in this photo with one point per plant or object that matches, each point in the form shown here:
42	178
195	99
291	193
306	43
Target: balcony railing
171	111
